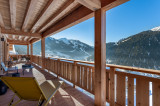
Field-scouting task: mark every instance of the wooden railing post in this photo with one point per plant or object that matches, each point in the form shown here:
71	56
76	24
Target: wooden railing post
107	85
100	57
58	67
112	86
74	73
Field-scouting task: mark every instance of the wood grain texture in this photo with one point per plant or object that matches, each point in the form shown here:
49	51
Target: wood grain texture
30	10
142	92
108	86
112	86
91	4
12	4
21	33
1	21
100	57
43	52
121	91
155	93
130	91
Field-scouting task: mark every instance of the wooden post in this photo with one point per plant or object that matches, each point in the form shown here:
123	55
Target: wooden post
7	51
31	51
59	67
100	58
74	73
27	49
43	52
3	51
112	86
1	71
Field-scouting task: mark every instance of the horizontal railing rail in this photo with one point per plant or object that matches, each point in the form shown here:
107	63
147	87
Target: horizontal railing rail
124	85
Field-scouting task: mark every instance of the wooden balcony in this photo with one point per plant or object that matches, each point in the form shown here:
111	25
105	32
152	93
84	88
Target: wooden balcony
121	81
66	95
37	19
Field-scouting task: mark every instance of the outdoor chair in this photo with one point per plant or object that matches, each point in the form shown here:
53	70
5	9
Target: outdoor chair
8	69
27	88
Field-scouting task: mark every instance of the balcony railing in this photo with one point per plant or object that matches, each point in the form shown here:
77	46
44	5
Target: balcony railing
124	85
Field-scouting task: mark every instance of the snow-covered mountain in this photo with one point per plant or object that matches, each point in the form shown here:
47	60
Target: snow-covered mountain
156	29
140	50
62	48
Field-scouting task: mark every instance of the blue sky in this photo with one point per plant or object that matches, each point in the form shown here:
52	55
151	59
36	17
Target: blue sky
123	21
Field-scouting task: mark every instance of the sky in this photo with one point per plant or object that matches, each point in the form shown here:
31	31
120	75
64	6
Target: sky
123	21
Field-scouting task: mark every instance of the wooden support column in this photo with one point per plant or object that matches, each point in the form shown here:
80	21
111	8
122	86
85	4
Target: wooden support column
43	52
7	52
27	49
3	51
100	57
31	51
1	71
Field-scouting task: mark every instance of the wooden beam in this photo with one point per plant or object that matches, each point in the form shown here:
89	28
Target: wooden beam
67	5
16	42
34	40
13	37
100	58
23	37
26	38
30	39
43	52
6	36
109	4
20	38
1	21
16	37
30	10
91	4
9	37
43	13
13	13
80	14
22	33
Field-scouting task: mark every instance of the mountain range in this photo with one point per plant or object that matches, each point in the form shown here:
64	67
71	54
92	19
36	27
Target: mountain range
61	48
139	50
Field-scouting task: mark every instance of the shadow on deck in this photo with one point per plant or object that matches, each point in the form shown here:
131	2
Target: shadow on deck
65	96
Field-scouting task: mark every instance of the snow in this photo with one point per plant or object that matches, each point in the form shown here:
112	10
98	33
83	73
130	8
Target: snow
156	29
126	40
64	40
149	43
148	53
51	38
57	41
12	52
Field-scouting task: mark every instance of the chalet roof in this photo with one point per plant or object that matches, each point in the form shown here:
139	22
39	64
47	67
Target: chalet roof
26	21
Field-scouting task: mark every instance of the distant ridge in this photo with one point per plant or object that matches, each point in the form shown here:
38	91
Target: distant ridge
156	29
139	50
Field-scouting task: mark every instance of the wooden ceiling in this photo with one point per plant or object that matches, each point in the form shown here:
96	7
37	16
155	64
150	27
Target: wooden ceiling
26	21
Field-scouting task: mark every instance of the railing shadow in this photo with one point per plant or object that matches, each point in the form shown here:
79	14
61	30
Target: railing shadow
67	95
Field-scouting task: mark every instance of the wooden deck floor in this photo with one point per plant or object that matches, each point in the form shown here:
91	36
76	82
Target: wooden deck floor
65	96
